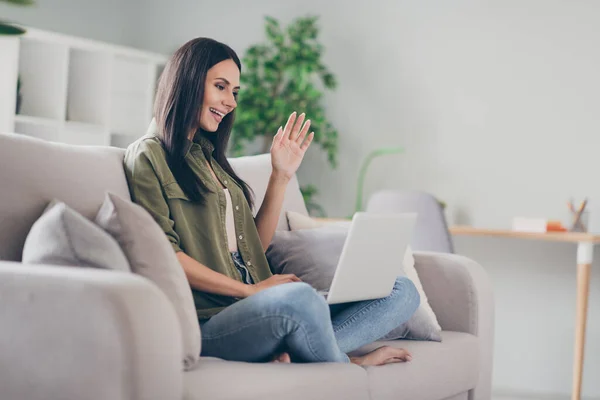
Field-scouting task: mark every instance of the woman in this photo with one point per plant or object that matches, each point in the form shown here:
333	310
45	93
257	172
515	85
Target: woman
179	172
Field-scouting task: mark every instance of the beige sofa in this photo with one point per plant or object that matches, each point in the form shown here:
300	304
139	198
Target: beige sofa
74	333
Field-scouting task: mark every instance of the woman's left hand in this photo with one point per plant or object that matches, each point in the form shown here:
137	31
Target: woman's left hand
289	146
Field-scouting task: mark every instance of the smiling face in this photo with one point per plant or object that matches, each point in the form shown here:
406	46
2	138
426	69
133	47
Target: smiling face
220	94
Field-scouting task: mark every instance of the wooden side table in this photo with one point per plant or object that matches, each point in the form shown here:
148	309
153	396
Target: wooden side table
585	252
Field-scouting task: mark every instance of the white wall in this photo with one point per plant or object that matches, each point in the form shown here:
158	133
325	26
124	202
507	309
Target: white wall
497	106
107	20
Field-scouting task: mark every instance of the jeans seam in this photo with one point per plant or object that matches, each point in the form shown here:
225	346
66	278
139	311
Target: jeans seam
363	310
310	346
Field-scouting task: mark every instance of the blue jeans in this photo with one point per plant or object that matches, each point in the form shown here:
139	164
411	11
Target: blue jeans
294	318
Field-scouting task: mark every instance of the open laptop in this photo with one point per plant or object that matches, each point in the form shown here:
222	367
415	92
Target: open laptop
372	256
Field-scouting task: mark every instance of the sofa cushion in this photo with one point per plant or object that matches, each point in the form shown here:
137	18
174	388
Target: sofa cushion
61	236
150	254
217	379
256	171
437	370
85	334
35	171
312	251
310	254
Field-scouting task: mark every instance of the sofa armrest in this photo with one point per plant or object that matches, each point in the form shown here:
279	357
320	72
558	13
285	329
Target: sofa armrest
78	333
461	296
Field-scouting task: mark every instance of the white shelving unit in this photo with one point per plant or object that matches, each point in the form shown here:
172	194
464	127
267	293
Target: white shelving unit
76	90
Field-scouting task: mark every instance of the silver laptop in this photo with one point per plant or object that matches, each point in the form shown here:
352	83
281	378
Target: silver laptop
371	258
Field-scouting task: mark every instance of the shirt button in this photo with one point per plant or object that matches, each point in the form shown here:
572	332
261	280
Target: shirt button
237	207
241	237
225	181
249	263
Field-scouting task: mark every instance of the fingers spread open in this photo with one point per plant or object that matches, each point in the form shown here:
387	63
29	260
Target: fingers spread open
296	130
308	140
289	125
278	136
303	132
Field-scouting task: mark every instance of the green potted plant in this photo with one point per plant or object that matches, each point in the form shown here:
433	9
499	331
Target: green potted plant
283	75
7	28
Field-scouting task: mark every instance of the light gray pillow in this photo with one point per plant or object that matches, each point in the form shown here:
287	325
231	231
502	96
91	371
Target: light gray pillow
151	255
62	236
310	254
313	255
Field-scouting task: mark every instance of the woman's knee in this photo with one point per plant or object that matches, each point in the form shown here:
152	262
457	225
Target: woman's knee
407	289
301	295
298	298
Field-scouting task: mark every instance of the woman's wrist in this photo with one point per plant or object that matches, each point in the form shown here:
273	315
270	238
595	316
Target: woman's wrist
280	177
247	290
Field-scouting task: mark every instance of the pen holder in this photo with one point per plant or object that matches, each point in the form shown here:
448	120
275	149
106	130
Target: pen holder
581	223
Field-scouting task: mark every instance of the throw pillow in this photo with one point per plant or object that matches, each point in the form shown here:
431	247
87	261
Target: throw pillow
312	253
62	236
151	255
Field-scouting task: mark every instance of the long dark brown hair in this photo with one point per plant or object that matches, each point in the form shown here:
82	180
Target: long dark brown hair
177	111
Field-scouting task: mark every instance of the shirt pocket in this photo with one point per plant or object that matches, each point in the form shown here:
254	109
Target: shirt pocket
174	191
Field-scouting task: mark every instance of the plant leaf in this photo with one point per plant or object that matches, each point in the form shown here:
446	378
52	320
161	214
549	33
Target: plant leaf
10	29
281	75
20	2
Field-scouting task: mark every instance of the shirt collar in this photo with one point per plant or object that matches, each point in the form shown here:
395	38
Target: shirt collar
200	139
204	142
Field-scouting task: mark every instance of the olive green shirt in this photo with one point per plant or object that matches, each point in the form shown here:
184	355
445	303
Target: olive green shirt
196	229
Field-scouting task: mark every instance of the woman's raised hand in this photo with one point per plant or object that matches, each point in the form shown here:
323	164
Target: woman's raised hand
289	145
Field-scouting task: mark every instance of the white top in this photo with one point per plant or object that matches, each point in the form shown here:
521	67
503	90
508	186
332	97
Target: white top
229	223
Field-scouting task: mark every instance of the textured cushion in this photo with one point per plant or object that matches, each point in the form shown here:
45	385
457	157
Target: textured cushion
35	171
216	379
85	333
437	370
151	255
310	254
423	325
312	250
62	236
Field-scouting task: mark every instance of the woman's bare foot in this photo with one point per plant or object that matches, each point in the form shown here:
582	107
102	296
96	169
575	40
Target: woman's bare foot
383	355
282	358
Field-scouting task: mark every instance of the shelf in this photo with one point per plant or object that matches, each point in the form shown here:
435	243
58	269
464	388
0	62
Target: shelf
43	70
9	60
76	91
41	131
85	134
89	87
132	75
85	126
89	44
574	237
130	113
27	119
